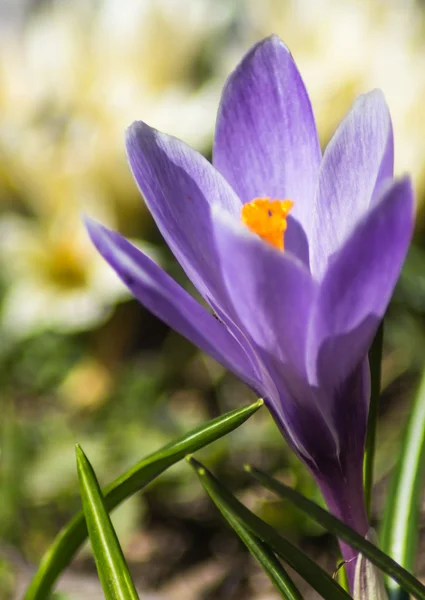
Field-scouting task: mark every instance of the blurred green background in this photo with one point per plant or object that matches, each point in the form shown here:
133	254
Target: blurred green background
80	361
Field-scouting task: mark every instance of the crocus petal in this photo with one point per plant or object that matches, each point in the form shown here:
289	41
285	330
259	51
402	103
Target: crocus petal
266	140
178	184
357	287
300	415
271	291
160	294
358	159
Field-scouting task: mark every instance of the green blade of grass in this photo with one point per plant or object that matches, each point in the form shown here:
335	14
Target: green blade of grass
265	556
375	362
302	564
70	538
111	565
269	562
342	531
400	527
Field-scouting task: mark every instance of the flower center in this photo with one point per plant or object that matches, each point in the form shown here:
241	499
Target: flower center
267	218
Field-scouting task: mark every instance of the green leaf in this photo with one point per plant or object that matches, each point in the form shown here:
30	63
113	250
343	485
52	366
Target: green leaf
230	506
401	517
261	551
70	538
375	362
337	527
268	560
110	562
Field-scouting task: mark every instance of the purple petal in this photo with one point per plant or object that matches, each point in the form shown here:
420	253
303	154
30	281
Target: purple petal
160	294
357	287
178	185
332	444
300	415
271	291
358	159
266	141
341	482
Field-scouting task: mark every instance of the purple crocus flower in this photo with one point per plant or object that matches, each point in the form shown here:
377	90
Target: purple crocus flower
295	319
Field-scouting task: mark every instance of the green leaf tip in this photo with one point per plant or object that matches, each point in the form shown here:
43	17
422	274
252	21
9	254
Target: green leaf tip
79	453
265	542
111	565
70	538
196	465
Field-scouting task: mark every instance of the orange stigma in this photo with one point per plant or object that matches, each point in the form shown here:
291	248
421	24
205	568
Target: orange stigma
267	218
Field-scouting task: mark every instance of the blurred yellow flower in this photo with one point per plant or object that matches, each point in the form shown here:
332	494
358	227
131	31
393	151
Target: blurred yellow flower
86	385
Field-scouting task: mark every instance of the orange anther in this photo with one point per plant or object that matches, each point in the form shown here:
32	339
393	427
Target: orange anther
267	218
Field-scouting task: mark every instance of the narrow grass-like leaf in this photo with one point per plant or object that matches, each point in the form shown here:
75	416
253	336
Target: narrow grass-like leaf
70	538
302	564
268	560
399	534
262	552
111	565
375	362
338	528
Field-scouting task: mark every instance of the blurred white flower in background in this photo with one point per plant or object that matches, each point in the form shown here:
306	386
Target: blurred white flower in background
71	81
75	74
53	280
78	75
151	67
